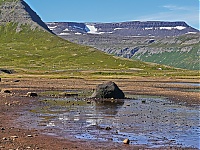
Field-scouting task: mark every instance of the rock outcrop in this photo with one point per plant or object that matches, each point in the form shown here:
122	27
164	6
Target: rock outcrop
108	90
18	11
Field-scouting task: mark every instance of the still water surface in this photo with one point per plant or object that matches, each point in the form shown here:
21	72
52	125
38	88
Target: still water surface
149	121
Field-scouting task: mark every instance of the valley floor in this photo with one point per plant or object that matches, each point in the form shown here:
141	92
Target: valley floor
14	103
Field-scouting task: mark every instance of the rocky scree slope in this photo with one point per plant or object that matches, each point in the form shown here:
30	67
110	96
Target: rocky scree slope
18	11
169	43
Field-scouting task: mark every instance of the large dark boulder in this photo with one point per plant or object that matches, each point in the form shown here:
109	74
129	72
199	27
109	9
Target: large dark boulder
108	90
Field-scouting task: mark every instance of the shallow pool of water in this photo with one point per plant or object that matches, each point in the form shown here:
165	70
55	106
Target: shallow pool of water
153	122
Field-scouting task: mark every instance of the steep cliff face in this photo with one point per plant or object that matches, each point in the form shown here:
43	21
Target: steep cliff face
17	11
134	28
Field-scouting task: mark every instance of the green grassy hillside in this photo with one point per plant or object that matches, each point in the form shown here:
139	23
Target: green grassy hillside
42	51
187	60
39	52
179	52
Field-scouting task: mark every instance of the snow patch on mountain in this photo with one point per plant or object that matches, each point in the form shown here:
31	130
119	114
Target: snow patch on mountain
51	28
92	29
64	34
170	28
66	29
149	28
78	33
119	28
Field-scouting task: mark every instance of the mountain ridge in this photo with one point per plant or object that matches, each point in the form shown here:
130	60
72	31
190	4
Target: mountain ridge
131	28
18	11
167	39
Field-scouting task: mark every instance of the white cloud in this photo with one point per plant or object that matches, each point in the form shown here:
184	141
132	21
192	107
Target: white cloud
173	7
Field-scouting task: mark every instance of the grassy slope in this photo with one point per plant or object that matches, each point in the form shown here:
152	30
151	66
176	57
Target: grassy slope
42	51
177	57
39	52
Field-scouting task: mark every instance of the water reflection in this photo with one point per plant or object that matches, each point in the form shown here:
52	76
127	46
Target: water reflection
154	122
108	107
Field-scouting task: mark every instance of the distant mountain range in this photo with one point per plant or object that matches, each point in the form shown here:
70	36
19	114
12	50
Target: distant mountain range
134	28
169	43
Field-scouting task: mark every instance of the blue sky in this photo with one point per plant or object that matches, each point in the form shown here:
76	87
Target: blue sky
117	10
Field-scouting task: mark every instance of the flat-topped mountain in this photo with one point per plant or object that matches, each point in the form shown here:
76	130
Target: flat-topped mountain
170	43
133	28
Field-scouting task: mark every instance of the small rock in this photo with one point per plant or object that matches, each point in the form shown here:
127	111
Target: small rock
31	94
4	138
143	101
2	128
8	104
89	102
16	80
126	141
14	136
108	128
29	136
5	91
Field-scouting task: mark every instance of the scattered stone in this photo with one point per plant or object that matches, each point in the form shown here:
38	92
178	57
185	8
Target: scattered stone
108	90
32	94
126	141
8	104
7	71
17	81
89	102
14	136
5	91
108	128
143	101
4	138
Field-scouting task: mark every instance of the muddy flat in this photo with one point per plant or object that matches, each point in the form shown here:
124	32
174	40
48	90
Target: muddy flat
154	107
